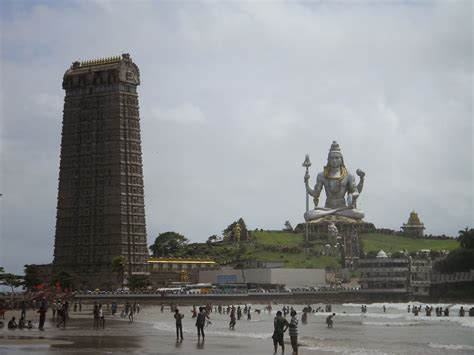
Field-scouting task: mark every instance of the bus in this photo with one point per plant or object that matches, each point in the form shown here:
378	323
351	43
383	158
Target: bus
202	288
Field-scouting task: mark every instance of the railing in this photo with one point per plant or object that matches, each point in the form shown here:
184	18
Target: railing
438	278
384	269
379	278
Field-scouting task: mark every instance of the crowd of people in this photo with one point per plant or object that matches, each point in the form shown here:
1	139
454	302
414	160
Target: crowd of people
438	311
201	316
280	323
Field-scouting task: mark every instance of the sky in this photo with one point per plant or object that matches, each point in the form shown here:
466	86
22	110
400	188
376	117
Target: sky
233	95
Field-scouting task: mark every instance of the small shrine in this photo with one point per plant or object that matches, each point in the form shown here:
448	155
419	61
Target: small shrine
413	227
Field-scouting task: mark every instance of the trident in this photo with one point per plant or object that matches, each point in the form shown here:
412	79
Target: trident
306	164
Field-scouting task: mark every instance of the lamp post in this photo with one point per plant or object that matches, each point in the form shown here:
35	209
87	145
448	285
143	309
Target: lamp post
306	164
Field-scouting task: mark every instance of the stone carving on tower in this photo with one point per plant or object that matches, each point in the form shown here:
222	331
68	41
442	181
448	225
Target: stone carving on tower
100	210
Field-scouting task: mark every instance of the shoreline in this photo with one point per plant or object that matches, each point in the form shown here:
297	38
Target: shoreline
119	337
327	297
154	332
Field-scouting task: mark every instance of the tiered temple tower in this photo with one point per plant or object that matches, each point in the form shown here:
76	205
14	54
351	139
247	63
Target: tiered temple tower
100	211
413	227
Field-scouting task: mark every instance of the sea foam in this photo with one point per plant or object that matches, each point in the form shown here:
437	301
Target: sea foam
451	346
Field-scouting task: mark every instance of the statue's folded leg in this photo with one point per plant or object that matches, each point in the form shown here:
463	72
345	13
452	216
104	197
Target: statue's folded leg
319	213
352	213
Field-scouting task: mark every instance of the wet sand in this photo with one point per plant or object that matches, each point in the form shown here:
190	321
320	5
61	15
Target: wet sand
118	337
375	332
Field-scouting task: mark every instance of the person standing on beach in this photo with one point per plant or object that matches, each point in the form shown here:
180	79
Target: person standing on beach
54	307
232	318
101	317
329	320
293	331
95	312
179	325
304	318
62	316
42	312
200	321
23	309
280	325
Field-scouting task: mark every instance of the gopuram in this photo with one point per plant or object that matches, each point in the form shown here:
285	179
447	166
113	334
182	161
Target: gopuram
340	221
100	211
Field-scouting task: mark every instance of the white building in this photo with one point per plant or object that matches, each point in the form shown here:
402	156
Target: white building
395	275
276	276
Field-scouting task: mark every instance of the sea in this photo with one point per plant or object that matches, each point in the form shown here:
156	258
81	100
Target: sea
393	331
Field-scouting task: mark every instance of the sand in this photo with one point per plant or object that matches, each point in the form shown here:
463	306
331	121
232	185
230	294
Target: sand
119	337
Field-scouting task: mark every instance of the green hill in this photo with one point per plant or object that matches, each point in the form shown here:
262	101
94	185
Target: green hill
288	247
393	243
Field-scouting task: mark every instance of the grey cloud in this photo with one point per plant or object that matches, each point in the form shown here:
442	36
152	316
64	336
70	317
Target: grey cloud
232	97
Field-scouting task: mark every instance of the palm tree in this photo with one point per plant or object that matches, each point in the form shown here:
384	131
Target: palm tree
118	266
466	238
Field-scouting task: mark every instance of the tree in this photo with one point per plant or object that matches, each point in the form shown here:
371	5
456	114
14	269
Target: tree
10	280
212	239
32	279
371	254
466	238
63	279
168	243
118	266
288	227
398	255
459	260
138	281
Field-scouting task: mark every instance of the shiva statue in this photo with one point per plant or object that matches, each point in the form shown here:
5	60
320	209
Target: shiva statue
337	182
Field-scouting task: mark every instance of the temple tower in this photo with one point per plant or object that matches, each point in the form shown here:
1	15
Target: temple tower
413	227
100	211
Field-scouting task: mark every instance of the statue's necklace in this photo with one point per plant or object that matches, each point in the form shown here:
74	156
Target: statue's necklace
335	182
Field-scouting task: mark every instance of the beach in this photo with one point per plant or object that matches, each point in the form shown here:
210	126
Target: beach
153	332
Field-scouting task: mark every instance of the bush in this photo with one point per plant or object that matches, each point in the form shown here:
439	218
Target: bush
458	260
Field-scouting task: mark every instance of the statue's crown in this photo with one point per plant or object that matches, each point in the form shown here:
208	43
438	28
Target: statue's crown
335	147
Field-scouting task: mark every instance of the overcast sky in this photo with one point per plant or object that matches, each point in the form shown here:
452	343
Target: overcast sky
232	97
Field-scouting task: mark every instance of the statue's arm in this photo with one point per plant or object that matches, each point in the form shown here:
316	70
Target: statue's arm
353	192
361	174
318	188
309	190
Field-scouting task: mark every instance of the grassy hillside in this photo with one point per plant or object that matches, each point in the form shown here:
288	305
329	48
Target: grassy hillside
263	239
296	260
288	247
277	237
393	243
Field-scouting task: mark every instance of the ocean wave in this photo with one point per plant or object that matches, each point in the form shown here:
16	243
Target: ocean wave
469	323
404	306
344	350
451	346
171	328
392	324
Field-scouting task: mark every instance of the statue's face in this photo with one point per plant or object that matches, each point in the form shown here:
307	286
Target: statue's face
334	160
